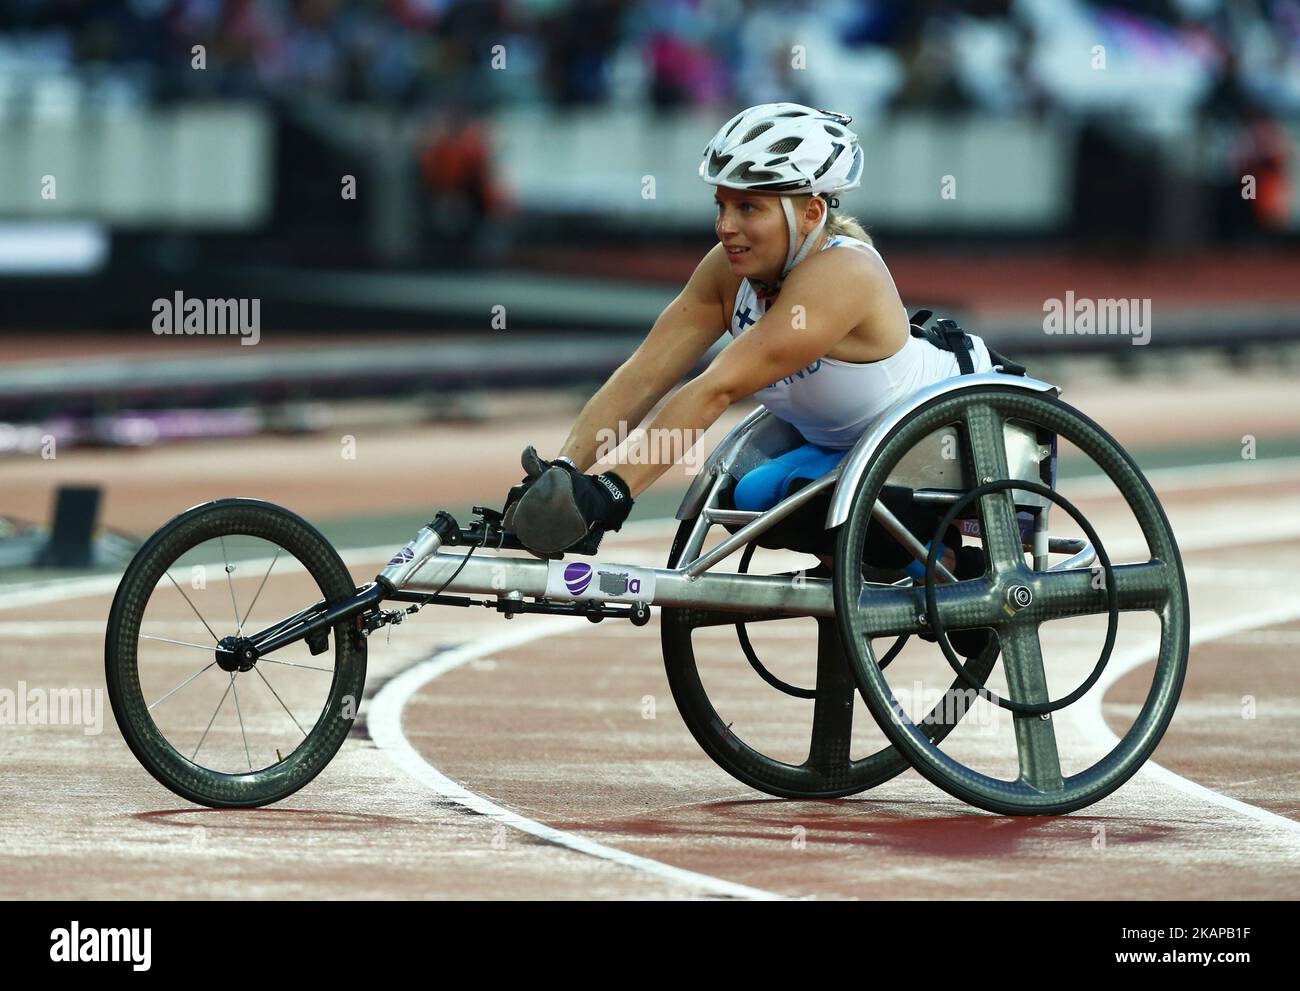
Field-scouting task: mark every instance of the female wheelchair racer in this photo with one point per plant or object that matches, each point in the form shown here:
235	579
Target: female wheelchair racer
848	457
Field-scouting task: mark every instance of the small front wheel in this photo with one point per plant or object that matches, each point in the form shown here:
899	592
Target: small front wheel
215	723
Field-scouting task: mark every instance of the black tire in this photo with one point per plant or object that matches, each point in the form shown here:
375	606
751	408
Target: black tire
812	779
182	775
1158	586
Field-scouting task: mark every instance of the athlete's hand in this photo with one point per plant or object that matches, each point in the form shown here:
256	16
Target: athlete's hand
562	507
534	467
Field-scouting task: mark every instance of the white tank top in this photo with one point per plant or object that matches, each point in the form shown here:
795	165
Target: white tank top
831	402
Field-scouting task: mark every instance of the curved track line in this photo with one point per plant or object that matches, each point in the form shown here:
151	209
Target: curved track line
385	724
1090	720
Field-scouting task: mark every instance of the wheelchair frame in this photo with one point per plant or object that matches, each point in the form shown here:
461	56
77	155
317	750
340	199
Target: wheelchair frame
421	569
422	573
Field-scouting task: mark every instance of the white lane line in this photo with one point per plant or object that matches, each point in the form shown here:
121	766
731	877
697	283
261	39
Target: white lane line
1188	478
1087	712
80	628
384	721
1211	537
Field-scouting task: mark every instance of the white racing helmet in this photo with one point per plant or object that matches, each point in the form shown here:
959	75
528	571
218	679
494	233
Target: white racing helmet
790	149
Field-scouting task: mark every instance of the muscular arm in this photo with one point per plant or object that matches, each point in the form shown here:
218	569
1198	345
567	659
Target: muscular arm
685	330
811	315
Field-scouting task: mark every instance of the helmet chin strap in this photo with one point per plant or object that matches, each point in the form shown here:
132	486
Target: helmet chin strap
795	253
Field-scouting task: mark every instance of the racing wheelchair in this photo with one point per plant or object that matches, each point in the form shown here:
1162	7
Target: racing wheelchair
977	452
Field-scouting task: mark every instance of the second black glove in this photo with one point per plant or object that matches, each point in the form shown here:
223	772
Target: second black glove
561	507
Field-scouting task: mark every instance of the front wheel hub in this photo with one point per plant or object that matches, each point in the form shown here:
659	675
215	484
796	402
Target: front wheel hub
236	654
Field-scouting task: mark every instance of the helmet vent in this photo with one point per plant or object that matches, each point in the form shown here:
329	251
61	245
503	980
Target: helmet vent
777	161
785	145
756	130
745	173
833	130
717	163
855	168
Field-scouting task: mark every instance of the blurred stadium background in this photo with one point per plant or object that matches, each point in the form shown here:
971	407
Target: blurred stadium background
459	214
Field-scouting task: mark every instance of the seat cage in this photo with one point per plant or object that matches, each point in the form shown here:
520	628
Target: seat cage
934	469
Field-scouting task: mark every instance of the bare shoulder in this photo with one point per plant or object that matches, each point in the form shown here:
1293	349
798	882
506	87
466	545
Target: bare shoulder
848	258
853	288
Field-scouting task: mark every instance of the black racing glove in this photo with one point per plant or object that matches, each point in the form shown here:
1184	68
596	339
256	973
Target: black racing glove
603	499
562	507
534	467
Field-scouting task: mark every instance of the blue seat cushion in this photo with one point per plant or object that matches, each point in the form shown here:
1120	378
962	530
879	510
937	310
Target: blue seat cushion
769	483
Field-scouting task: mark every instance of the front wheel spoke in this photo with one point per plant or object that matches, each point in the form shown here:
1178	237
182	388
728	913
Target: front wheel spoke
239	627
195	755
281	701
258	593
1082	592
988	451
1022	657
179	643
293	664
182	685
240	713
832	730
215	638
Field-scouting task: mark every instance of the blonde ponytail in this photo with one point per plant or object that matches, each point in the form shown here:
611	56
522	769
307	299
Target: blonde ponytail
848	226
839	223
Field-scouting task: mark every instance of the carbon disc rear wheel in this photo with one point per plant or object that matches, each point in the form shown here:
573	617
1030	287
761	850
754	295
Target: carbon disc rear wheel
1014	600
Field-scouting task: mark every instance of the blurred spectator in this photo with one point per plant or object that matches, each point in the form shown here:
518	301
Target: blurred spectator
1210	88
999	56
456	166
580	39
1260	151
